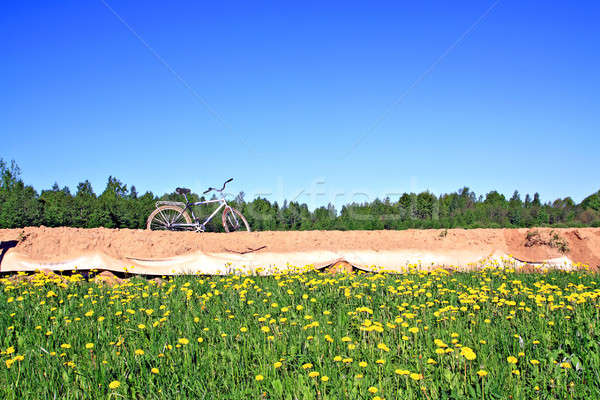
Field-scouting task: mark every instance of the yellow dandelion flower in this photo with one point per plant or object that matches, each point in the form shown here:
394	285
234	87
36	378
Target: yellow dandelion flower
114	384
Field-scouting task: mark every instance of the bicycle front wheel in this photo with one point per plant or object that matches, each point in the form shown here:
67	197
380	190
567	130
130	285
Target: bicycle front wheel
164	217
233	220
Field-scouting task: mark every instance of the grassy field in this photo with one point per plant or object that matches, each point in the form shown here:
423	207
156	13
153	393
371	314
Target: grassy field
492	334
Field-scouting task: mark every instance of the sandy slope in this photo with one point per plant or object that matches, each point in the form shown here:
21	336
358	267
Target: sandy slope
167	252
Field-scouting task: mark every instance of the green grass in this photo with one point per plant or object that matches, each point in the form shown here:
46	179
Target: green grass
333	322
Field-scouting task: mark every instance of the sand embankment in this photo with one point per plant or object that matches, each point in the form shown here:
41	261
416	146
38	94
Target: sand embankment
158	253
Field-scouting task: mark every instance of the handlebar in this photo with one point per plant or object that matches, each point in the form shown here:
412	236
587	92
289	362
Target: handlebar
218	190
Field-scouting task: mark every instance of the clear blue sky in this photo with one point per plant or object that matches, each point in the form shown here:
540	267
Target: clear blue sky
333	98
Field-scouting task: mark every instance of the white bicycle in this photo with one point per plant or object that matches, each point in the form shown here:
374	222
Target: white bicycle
174	215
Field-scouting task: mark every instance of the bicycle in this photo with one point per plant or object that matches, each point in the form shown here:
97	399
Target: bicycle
174	216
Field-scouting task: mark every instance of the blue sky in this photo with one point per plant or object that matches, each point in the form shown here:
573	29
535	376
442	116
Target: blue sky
343	101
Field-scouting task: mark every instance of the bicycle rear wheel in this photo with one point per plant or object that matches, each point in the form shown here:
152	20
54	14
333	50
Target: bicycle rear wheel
164	217
233	220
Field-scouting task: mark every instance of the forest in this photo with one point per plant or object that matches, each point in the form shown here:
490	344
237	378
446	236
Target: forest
120	206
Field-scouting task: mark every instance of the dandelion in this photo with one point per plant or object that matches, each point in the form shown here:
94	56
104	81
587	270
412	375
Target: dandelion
324	378
511	359
114	384
154	370
313	374
372	389
259	377
382	346
468	353
89	346
482	373
139	352
416	377
183	341
307	366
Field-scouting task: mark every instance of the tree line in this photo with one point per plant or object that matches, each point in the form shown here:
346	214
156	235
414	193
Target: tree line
120	206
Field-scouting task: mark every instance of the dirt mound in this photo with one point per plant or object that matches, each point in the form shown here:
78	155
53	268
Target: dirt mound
127	247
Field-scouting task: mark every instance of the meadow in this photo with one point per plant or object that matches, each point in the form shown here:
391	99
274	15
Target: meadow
497	333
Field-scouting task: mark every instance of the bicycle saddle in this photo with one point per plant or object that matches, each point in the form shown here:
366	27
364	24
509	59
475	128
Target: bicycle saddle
182	190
